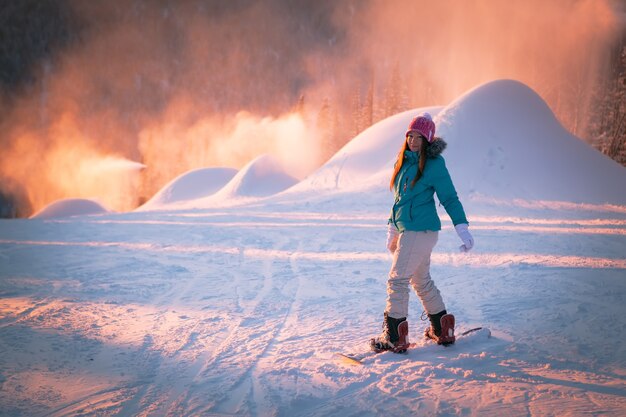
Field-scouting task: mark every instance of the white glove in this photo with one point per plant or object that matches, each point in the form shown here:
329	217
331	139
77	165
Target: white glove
466	237
392	237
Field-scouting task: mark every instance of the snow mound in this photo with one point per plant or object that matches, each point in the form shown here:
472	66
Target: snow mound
261	177
370	152
191	185
69	207
505	142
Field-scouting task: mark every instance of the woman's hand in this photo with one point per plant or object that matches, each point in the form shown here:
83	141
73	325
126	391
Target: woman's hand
466	237
392	237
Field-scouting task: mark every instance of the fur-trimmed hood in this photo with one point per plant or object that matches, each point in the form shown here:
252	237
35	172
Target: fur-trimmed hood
435	148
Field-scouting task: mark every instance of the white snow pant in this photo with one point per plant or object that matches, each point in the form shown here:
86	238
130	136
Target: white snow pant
411	265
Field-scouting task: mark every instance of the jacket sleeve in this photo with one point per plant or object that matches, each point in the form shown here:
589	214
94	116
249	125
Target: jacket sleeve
446	193
395	195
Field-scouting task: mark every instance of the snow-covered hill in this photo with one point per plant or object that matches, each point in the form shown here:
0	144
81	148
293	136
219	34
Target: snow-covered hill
372	151
192	185
236	303
70	207
261	177
506	143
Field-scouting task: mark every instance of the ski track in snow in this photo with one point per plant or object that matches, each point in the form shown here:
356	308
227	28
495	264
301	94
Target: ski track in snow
478	260
245	316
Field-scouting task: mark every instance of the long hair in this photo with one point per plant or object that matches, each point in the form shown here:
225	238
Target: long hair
400	160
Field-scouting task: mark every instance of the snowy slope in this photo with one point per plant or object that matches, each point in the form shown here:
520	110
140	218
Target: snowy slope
372	151
239	309
505	142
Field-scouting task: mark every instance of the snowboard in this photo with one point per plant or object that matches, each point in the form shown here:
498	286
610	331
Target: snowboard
464	337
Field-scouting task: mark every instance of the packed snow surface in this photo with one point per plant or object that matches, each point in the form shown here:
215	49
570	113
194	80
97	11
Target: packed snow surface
240	308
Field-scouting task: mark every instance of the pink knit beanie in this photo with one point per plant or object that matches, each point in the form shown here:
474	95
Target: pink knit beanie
424	125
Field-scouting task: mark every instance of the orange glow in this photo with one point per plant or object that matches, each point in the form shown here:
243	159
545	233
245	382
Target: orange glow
170	147
174	90
68	167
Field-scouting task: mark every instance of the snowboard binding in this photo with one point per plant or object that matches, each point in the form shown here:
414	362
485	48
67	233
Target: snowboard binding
395	336
441	330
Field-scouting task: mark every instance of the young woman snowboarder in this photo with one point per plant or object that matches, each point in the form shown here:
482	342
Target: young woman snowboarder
419	172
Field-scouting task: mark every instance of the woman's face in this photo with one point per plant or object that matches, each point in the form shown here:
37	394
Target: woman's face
414	140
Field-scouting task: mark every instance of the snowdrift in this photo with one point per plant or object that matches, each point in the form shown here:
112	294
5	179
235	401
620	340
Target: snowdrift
504	142
70	207
210	187
261	177
191	185
370	152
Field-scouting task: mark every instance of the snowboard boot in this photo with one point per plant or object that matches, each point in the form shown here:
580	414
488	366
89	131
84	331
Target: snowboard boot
441	328
395	336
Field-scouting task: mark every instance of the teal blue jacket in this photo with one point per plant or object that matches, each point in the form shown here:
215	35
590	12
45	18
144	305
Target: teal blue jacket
414	208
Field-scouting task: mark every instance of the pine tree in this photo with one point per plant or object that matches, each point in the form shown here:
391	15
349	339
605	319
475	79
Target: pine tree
368	106
357	113
608	124
393	97
325	129
617	133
